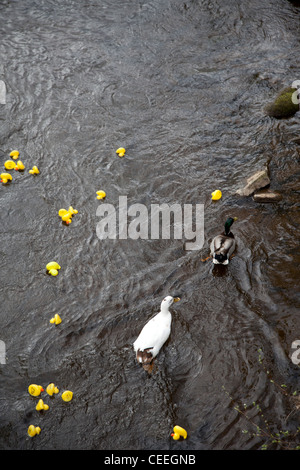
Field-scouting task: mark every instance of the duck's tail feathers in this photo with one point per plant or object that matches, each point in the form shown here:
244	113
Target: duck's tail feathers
144	356
148	367
220	258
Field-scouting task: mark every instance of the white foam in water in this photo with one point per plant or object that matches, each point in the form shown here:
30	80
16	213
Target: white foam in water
2	92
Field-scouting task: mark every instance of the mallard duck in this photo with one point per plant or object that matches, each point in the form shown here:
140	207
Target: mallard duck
223	245
154	334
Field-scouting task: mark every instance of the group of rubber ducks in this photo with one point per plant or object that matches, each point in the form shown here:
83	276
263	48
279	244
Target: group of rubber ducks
35	391
19	165
53	268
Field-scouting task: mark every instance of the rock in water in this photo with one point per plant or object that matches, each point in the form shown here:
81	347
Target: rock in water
267	196
283	106
257	181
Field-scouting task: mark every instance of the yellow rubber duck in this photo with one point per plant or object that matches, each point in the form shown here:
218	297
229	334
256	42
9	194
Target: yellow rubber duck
101	194
41	406
72	210
51	389
67	395
53	268
56	319
33	430
20	165
121	151
178	432
14	154
5	178
216	195
10	165
34	171
35	390
65	215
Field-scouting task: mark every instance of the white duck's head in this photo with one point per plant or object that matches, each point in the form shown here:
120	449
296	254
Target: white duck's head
167	302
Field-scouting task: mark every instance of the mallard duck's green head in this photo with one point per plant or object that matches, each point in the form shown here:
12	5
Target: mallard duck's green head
228	223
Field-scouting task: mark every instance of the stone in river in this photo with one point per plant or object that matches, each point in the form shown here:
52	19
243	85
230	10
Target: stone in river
267	196
259	180
286	104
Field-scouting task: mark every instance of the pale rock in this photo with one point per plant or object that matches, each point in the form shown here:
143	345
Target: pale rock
267	196
257	181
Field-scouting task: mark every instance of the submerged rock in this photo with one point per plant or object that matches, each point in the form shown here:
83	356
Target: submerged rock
267	196
283	106
257	181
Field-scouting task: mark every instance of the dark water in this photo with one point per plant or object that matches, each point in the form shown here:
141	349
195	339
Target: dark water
182	86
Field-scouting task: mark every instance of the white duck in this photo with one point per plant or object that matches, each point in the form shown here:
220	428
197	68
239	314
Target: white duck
154	334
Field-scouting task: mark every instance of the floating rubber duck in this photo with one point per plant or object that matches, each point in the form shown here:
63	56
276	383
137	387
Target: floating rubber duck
5	178
20	165
216	195
10	165
223	245
178	432
53	268
154	334
101	194
73	211
56	319
51	389
67	395
66	215
33	430
35	390
14	154
41	406
121	151
34	170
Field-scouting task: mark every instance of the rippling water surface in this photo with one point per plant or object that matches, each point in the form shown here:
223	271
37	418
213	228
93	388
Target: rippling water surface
182	86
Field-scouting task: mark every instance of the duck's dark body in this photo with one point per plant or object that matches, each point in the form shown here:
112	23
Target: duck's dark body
223	245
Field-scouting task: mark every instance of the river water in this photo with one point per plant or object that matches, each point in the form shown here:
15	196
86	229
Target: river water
182	86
